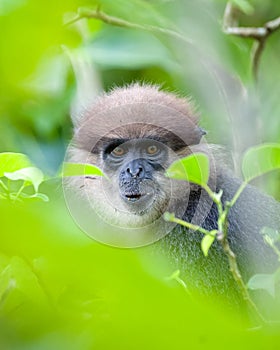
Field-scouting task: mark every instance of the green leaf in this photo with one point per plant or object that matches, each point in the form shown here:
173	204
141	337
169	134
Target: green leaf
78	169
18	276
10	162
147	53
194	168
206	243
263	281
31	175
244	6
260	160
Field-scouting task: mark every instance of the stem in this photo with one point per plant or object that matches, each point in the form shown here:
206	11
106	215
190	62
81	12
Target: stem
256	55
276	251
273	247
4	296
176	277
213	195
210	193
9	190
3	186
259	34
222	229
19	191
182	283
237	195
216	197
193	227
102	16
239	280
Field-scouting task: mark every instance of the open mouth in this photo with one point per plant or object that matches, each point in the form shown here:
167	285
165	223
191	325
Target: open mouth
136	194
133	197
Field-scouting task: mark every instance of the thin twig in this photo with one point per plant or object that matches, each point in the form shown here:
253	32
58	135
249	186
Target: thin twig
176	277
272	245
256	55
19	191
259	34
237	194
192	226
273	25
234	269
248	32
102	16
233	266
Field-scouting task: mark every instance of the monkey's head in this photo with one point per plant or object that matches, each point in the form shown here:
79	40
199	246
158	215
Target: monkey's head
133	134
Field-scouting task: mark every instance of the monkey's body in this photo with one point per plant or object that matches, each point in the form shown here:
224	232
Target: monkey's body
134	134
211	275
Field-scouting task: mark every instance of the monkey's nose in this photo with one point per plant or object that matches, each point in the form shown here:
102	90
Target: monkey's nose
134	172
135	169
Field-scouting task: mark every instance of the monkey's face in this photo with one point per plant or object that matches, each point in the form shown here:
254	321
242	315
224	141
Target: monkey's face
135	193
132	135
136	168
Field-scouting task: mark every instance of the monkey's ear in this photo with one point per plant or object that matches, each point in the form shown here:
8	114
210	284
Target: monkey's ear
202	132
195	135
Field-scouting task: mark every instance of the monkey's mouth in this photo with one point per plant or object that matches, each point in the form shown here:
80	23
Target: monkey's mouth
134	193
133	197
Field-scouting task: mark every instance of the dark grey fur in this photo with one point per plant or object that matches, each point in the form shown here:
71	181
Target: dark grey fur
211	275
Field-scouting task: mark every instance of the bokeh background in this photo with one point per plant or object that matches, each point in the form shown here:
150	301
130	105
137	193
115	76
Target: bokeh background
58	288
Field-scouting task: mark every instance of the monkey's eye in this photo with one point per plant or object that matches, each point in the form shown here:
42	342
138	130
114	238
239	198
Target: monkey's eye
152	149
118	151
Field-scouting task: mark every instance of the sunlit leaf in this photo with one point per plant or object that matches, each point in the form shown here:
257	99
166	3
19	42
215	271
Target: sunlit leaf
78	169
31	175
263	281
10	162
194	168
206	243
260	160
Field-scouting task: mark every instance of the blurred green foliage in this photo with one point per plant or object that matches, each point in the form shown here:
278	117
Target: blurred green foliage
58	288
61	290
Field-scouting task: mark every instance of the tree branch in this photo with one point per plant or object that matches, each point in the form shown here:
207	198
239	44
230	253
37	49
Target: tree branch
259	34
102	16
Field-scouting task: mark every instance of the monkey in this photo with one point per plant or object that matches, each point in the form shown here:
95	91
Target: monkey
134	134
